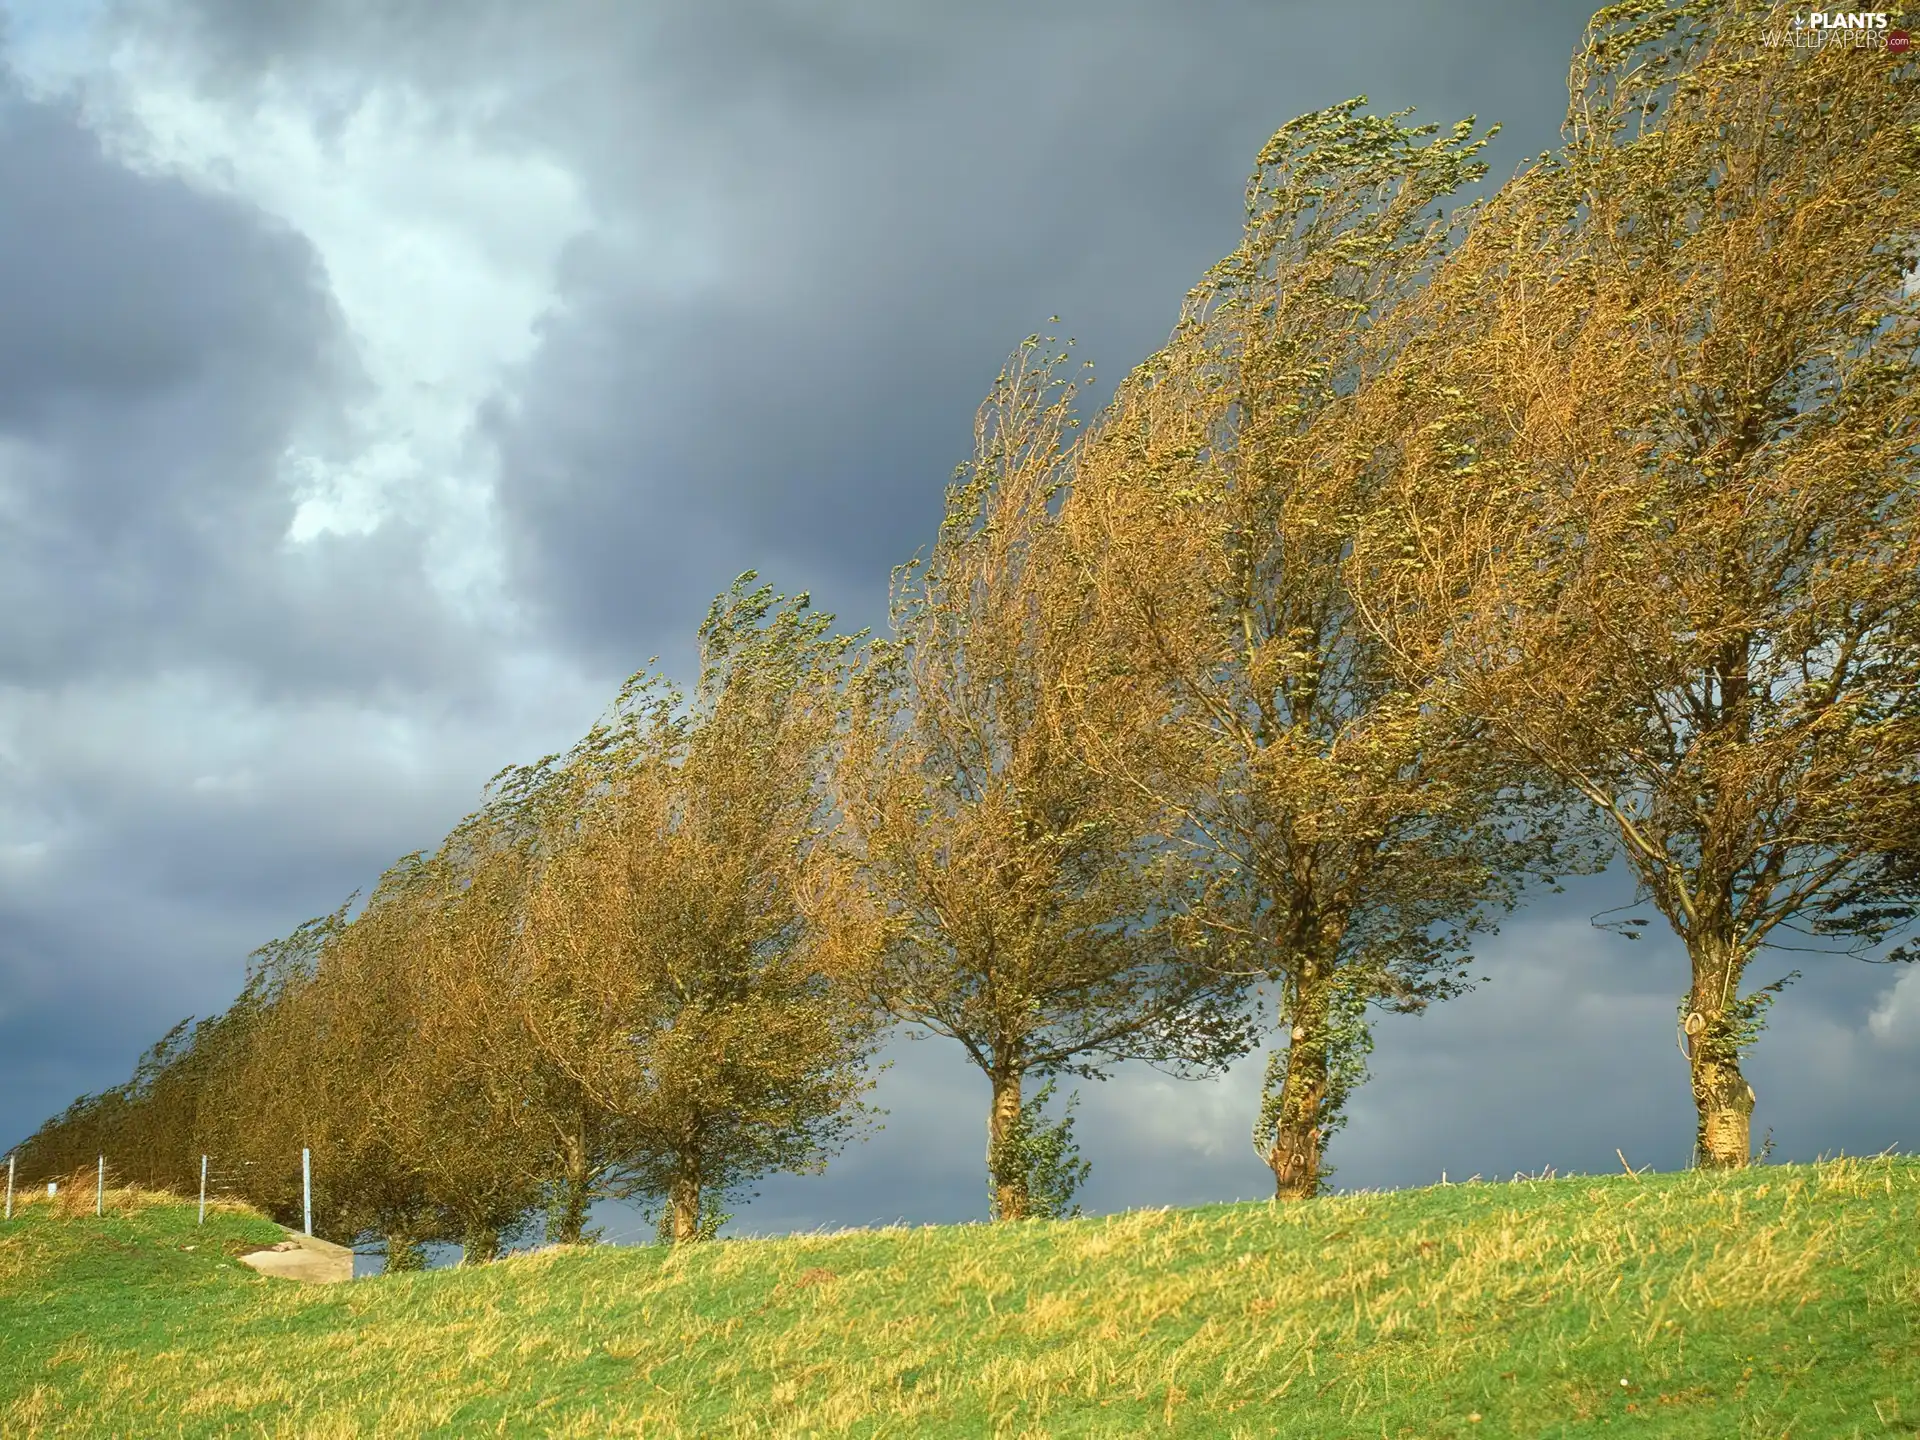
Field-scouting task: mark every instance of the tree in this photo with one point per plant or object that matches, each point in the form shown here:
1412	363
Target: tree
630	972
684	963
66	1142
1028	910
387	1062
338	1067
259	1098
1364	835
187	1095
494	952
484	1170
580	997
1655	515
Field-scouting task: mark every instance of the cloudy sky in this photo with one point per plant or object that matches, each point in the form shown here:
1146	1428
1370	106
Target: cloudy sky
382	381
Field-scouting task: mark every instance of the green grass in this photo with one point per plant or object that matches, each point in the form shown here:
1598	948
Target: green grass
1780	1302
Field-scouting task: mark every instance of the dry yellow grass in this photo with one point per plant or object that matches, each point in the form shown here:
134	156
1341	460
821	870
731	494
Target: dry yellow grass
1784	1301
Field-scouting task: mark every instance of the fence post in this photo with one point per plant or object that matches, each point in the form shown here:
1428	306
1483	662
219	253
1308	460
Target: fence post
9	1187
100	1189
306	1186
203	1189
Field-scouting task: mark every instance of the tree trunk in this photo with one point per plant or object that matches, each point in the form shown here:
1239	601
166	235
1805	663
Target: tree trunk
684	1197
572	1219
1721	1096
575	1190
404	1252
1295	1154
1006	1170
479	1245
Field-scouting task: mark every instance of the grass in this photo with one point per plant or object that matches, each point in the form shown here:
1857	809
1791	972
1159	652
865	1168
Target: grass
1779	1302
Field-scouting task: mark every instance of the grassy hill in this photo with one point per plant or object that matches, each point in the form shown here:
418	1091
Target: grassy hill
1781	1302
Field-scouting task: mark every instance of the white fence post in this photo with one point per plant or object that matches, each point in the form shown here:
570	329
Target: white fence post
306	1186
100	1189
9	1187
203	1189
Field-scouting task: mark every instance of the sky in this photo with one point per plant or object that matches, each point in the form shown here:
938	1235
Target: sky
383	381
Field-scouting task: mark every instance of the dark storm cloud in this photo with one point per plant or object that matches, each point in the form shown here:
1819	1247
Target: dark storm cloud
875	252
151	878
160	348
827	226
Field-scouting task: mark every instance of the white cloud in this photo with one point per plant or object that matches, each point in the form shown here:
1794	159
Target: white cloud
441	250
1895	1020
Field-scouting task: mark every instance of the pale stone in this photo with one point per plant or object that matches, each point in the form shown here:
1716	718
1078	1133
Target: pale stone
302	1257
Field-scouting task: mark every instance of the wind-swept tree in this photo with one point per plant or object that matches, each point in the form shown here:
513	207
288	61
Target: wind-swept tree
188	1094
685	965
377	1058
578	998
258	1095
487	1170
145	1125
64	1143
1365	836
451	1122
1657	516
1031	910
336	1068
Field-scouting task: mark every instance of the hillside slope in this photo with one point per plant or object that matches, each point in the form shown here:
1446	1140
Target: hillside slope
1782	1302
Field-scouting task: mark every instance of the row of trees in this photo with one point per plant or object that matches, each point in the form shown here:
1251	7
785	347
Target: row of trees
1441	551
626	974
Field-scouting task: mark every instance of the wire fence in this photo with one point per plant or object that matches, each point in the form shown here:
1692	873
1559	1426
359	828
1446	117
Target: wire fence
101	1187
